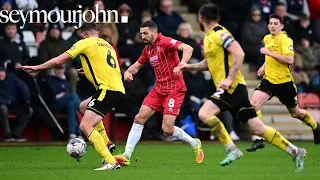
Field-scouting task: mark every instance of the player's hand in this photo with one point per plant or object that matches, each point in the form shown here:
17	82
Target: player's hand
128	76
225	84
265	51
260	72
30	69
183	66
80	71
177	71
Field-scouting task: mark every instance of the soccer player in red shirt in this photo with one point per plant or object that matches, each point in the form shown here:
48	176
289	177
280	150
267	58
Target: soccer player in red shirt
168	92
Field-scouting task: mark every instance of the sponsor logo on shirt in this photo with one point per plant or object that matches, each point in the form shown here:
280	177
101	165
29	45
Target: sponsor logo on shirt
154	60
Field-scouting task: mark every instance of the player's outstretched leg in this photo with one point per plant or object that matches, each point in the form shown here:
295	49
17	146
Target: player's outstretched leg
144	114
257	127
169	128
207	114
307	119
90	119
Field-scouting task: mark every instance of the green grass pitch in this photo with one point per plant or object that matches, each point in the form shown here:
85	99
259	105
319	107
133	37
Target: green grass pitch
155	161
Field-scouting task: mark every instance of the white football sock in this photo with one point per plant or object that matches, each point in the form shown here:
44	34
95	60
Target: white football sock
133	139
183	136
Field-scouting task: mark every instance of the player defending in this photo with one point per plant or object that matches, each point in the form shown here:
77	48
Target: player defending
278	80
168	92
224	57
101	68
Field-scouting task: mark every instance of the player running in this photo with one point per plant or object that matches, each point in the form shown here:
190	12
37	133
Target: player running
100	66
224	57
278	80
168	92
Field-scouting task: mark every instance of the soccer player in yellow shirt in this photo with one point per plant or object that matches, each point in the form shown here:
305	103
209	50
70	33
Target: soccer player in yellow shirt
101	68
278	80
223	58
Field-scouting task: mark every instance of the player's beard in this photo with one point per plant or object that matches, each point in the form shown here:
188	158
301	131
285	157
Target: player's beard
201	27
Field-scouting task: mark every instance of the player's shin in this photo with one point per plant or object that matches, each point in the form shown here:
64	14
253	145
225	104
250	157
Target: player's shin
100	128
183	136
220	131
96	139
276	139
309	121
133	139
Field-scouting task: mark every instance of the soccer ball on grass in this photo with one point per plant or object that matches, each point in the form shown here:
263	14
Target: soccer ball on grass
76	148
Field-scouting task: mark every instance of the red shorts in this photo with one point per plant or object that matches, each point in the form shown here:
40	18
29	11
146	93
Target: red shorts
166	103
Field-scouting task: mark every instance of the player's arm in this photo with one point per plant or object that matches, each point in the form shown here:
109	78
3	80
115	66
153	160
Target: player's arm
52	63
186	52
287	59
237	55
132	70
200	66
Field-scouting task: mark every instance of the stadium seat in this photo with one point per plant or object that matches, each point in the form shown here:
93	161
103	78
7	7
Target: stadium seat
308	100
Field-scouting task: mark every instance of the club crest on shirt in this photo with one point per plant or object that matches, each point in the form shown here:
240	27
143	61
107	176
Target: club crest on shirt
73	47
173	41
224	36
154	60
290	47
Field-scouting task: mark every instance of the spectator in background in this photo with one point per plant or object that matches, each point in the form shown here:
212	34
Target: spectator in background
300	77
38	85
53	46
281	10
296	8
102	7
310	59
75	37
266	7
135	93
316	32
184	33
66	100
12	48
314	7
106	33
301	29
252	34
168	20
14	98
127	33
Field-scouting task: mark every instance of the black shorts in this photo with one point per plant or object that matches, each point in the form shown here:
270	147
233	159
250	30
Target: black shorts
104	100
237	103
286	92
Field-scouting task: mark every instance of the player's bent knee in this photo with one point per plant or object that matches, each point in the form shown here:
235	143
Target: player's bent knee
83	107
168	130
140	119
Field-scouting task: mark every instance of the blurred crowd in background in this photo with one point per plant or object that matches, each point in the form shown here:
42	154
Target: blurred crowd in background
63	88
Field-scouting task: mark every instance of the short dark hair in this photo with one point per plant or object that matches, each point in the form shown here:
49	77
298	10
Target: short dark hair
88	27
150	24
10	24
210	12
276	17
280	4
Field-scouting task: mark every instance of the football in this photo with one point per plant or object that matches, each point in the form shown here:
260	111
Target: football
76	148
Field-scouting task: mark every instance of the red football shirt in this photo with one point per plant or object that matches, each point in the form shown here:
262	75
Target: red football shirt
163	56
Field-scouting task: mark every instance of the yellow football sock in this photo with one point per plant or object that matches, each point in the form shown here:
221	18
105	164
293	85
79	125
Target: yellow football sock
98	144
259	114
309	121
100	128
219	130
276	139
